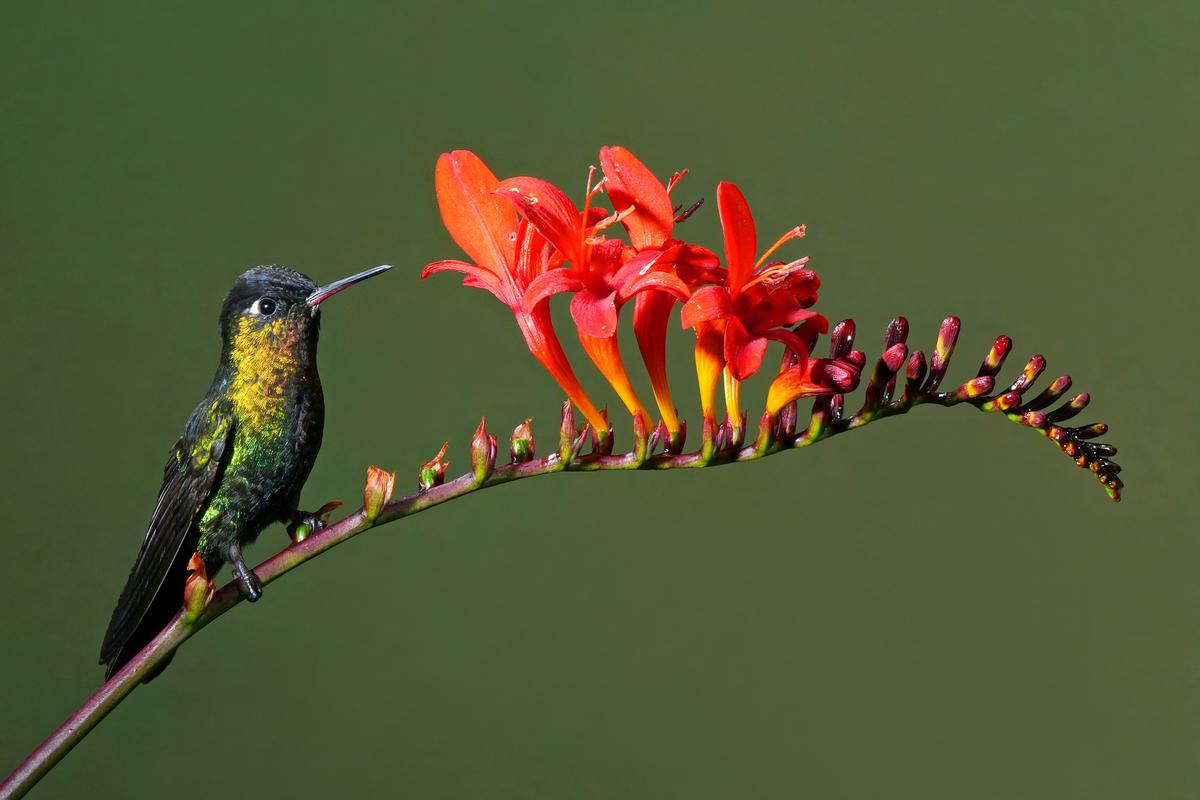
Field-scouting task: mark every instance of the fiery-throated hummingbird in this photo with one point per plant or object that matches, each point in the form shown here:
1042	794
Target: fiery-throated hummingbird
243	457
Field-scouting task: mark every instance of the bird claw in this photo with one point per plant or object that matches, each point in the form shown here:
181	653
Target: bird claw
247	580
306	523
251	585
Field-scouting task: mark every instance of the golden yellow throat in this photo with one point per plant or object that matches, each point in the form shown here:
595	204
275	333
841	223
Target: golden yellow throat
264	364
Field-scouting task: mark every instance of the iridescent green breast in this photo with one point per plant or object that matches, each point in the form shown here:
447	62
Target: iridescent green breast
270	391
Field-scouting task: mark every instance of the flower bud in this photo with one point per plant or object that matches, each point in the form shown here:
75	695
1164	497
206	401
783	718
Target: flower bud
300	531
433	471
641	446
1050	394
197	589
377	491
566	433
483	452
841	339
976	387
1029	374
1072	407
520	446
939	362
914	374
994	360
897	332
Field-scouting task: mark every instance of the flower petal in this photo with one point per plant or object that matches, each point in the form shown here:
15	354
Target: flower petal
556	281
548	210
595	315
743	352
606	355
790	340
651	315
818	376
478	221
741	241
656	281
476	276
538	330
698	256
708	303
532	257
710	360
631	185
641	263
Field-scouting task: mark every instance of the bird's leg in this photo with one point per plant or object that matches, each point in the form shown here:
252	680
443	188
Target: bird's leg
251	586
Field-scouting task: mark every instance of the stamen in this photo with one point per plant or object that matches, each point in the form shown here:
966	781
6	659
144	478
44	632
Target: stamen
583	227
794	233
613	218
680	216
676	178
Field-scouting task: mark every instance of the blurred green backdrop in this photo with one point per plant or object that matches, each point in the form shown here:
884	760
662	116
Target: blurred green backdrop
822	624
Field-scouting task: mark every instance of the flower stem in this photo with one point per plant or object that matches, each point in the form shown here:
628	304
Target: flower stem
826	420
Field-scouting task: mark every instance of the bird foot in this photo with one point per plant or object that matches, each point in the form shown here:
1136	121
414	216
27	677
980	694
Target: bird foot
306	523
251	586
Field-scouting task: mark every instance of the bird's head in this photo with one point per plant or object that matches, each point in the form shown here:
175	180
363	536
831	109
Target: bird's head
274	309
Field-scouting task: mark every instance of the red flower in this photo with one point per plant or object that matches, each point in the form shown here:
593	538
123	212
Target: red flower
813	377
644	206
509	255
734	320
604	273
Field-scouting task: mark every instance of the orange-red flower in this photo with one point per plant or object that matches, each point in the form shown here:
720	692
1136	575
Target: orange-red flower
645	209
734	320
509	255
604	273
812	378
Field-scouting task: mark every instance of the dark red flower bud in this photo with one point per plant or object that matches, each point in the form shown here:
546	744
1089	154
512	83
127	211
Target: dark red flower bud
939	362
994	360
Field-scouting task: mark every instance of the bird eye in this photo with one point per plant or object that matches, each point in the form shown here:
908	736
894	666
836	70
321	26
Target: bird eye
264	306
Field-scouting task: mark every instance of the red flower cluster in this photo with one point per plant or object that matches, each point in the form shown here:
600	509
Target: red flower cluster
529	242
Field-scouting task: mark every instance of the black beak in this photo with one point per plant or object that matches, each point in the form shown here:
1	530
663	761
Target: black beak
330	289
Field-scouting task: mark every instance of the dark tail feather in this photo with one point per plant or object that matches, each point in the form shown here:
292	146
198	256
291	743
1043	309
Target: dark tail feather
121	644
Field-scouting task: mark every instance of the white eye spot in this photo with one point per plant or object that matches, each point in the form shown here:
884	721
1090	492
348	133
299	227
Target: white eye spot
264	307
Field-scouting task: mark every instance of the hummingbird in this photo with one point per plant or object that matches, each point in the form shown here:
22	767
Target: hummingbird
244	455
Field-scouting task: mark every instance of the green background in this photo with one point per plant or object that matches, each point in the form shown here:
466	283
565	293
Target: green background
938	607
